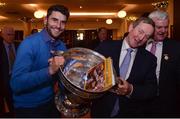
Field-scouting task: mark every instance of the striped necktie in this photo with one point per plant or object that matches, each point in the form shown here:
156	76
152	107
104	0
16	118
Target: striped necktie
125	64
153	48
11	56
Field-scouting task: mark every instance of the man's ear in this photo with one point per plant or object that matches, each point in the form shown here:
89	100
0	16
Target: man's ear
45	21
130	27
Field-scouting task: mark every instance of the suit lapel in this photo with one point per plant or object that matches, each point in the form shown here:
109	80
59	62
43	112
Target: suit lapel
117	56
163	58
136	65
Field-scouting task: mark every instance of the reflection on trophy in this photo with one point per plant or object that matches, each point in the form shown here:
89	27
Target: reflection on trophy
86	75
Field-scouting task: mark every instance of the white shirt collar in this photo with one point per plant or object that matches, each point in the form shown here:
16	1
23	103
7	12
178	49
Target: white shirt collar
125	46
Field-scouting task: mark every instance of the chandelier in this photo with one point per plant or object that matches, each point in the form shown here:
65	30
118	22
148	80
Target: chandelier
131	18
2	4
160	5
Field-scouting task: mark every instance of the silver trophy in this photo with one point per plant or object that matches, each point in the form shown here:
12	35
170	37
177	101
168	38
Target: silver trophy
85	75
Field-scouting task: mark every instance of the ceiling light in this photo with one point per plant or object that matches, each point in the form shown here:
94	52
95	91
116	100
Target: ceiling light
33	5
2	17
121	14
109	21
39	14
2	4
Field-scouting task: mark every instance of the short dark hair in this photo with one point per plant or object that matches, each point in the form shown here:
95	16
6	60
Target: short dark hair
101	28
143	20
60	8
34	31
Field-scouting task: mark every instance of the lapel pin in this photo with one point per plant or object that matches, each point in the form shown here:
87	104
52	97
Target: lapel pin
166	57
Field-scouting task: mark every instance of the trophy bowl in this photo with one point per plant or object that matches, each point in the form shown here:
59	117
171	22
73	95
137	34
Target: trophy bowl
85	75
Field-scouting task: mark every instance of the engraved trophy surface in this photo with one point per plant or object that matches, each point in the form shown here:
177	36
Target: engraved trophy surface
85	75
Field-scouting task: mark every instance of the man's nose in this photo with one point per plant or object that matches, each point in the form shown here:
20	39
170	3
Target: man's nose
142	36
163	30
59	24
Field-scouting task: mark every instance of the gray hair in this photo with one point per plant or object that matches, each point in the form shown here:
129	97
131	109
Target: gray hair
143	20
159	14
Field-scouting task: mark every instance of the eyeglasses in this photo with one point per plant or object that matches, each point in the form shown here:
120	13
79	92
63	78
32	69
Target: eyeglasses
142	32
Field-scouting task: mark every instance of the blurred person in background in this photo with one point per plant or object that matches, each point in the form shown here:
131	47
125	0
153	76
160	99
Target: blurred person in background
7	57
34	31
102	35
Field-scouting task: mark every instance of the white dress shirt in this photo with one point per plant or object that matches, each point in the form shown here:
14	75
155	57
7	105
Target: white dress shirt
7	52
158	54
123	52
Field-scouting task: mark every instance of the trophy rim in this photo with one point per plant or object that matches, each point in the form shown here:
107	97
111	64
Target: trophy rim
76	90
97	54
70	86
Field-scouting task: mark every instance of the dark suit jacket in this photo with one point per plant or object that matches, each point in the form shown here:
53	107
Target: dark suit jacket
4	76
142	77
95	43
167	102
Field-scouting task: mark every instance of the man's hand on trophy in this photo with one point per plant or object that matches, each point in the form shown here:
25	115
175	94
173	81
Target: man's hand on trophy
55	63
124	88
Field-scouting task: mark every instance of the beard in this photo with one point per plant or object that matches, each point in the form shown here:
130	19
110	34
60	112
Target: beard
48	28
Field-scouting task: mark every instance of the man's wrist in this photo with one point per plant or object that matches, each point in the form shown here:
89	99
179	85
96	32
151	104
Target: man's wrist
50	71
131	91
